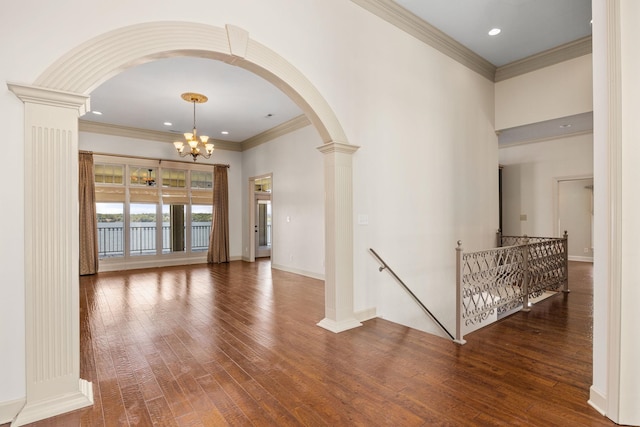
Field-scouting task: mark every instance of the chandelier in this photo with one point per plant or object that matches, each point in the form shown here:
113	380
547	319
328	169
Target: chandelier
197	146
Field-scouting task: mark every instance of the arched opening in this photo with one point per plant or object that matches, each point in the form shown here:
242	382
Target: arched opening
52	108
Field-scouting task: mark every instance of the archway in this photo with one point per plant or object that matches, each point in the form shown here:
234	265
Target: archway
52	108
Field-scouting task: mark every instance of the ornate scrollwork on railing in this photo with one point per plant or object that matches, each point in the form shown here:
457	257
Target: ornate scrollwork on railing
490	279
547	269
503	279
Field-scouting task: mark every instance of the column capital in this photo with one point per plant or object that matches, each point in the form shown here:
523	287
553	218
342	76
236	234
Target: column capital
52	97
337	147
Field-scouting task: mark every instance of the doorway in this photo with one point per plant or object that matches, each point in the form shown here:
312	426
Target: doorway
574	214
261	225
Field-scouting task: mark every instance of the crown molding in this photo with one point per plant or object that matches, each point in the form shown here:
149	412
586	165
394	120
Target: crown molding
275	132
547	58
152	135
422	30
130	132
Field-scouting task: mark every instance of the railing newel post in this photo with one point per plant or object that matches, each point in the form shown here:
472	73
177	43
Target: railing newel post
499	238
565	244
459	298
525	274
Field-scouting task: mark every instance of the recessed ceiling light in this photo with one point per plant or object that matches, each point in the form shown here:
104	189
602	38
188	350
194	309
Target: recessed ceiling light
97	113
167	123
494	31
224	132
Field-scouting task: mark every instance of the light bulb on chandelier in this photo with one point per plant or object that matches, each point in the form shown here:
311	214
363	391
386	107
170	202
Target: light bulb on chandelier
198	146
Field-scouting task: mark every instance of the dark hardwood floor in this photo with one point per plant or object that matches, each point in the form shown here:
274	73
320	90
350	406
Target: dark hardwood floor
237	344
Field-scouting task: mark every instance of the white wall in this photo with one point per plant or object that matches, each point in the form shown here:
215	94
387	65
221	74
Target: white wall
552	92
425	177
298	194
12	291
529	181
426	172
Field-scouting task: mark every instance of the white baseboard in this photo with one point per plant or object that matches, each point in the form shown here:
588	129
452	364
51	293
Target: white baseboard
135	264
367	314
597	400
9	409
296	271
337	327
120	265
580	258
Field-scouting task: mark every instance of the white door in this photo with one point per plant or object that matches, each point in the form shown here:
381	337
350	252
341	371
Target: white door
262	227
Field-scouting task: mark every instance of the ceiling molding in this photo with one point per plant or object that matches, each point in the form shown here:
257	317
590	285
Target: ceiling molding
427	33
153	135
417	27
547	58
275	132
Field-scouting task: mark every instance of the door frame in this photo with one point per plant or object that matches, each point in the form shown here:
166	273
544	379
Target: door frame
252	215
556	200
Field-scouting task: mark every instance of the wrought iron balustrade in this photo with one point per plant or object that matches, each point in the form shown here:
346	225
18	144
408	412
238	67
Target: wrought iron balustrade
497	281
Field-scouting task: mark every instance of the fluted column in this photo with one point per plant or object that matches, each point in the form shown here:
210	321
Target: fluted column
338	182
53	381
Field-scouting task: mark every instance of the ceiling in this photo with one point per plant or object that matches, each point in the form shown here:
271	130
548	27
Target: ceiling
528	26
244	105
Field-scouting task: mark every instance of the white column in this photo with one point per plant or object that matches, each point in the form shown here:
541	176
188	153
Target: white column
52	309
338	187
615	391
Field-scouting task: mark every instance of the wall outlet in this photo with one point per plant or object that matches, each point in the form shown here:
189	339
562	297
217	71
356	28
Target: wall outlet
586	250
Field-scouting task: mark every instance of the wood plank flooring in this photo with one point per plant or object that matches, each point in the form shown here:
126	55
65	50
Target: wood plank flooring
237	344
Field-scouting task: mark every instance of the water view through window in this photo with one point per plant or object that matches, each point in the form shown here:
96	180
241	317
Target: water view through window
143	229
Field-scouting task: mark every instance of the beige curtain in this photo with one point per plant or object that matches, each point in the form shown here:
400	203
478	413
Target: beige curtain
219	238
88	218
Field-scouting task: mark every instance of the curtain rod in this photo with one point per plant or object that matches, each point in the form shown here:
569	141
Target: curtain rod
150	158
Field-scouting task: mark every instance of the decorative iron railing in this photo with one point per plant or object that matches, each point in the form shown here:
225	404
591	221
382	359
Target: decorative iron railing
497	281
143	240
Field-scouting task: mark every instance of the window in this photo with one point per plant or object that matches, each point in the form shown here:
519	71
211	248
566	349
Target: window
142	176
110	229
152	209
263	185
200	179
142	229
174	178
108	174
201	216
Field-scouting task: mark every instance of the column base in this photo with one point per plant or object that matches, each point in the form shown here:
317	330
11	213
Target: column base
47	408
343	325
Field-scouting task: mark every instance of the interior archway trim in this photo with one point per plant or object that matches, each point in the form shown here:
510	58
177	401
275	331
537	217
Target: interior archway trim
88	65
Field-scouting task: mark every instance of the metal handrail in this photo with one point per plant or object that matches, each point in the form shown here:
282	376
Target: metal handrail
406	288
